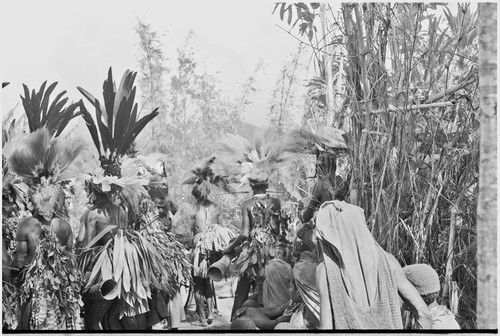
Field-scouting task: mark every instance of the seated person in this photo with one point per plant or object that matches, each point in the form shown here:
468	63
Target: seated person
278	275
300	312
425	279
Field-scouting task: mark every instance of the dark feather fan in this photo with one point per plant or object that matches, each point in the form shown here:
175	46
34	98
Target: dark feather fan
205	175
116	124
55	117
306	141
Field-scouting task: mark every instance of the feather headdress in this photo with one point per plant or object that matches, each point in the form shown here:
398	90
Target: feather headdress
306	141
55	117
258	160
207	175
14	190
36	155
45	163
117	124
113	132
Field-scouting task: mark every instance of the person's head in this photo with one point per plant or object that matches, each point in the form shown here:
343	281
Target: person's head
201	192
243	323
258	186
326	164
47	200
425	279
160	203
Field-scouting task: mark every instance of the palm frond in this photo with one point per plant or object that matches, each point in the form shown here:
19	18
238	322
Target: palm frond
39	114
116	121
89	121
134	131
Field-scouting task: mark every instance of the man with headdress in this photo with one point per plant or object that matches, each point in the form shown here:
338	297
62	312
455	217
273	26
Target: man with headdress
45	164
263	225
332	171
158	191
116	246
209	235
358	281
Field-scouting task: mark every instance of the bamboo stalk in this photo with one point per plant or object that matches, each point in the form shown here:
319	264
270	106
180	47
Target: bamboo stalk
392	108
449	91
363	62
327	61
449	257
386	161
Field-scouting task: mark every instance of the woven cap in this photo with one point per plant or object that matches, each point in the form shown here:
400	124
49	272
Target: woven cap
157	189
423	277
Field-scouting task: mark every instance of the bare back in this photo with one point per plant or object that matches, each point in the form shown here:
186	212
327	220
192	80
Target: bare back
249	205
29	233
96	219
205	216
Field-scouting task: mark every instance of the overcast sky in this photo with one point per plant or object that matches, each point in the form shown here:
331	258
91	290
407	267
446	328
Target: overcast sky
75	42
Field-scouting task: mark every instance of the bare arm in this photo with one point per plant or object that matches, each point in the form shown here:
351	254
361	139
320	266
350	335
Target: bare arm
81	231
265	318
325	313
314	203
411	297
245	229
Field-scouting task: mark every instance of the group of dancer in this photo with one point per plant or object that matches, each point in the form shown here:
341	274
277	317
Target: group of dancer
124	265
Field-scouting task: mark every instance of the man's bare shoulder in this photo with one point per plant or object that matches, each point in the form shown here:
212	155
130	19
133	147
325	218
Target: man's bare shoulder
247	204
28	222
60	223
26	226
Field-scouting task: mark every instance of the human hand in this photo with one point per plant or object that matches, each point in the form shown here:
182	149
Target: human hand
241	311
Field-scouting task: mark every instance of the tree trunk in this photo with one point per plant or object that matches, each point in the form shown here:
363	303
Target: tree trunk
327	63
487	199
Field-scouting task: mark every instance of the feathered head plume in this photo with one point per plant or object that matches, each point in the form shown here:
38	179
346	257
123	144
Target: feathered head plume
45	163
304	140
205	176
117	124
37	155
55	117
257	160
14	191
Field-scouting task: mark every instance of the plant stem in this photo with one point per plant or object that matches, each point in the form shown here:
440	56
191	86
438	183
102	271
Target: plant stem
392	108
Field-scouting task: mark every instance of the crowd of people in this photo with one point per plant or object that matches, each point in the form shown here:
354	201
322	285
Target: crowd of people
126	268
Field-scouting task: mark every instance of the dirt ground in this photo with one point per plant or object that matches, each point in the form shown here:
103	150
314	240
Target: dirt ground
224	297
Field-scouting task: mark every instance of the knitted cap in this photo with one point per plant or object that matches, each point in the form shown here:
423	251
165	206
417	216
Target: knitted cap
423	277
